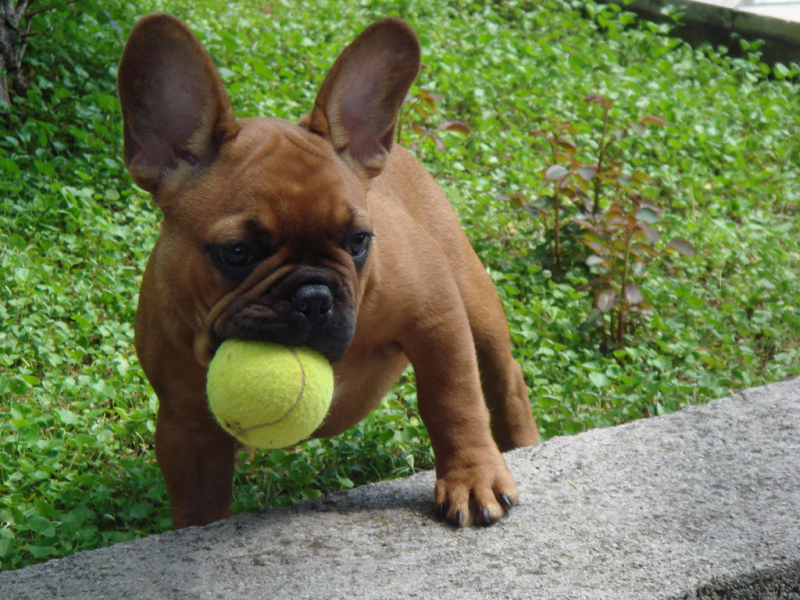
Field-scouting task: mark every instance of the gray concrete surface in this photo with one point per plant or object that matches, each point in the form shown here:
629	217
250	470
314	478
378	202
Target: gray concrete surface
704	503
777	22
766	17
784	10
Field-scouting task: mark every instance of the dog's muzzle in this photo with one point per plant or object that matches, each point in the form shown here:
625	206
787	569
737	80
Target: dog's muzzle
303	310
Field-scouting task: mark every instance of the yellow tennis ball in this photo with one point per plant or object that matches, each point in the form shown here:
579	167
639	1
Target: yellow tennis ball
268	395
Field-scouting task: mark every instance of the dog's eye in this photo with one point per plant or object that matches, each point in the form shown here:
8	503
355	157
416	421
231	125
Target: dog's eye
236	255
359	243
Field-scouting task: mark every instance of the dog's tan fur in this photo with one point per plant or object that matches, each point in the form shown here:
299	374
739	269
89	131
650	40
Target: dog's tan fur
304	192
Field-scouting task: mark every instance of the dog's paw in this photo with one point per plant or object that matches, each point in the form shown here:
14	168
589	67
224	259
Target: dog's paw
479	494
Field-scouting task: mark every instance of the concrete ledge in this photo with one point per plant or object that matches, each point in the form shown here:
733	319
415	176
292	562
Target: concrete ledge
704	503
715	21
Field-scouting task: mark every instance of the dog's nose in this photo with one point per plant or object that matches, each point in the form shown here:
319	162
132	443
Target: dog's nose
314	302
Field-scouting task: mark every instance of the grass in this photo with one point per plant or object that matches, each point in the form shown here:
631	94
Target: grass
77	467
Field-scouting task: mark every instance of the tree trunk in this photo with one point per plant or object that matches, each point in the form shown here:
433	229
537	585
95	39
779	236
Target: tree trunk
12	47
5	100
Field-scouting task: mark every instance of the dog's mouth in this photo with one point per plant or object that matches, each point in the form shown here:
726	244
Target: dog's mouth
306	308
331	340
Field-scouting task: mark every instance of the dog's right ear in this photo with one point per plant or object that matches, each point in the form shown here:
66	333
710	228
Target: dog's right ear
174	105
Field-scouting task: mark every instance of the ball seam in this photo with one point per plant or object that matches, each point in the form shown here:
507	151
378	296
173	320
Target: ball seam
290	409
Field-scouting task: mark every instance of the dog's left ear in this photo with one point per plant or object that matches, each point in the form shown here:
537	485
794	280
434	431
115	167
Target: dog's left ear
357	105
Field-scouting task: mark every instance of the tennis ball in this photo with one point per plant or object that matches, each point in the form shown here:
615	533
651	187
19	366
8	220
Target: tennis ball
268	395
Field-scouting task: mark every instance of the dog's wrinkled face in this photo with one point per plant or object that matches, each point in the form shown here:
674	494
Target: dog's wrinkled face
266	233
283	240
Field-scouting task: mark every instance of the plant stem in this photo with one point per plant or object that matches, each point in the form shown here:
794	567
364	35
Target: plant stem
403	118
47	8
558	230
622	312
557	208
600	159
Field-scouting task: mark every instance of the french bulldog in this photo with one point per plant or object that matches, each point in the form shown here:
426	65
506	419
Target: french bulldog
322	233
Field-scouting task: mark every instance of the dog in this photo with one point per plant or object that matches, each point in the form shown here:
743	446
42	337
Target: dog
324	234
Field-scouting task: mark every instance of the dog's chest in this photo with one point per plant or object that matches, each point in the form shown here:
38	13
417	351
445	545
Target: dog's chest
362	380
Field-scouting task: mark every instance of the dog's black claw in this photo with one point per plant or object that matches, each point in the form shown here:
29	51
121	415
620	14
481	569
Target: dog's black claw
506	501
441	510
459	518
487	520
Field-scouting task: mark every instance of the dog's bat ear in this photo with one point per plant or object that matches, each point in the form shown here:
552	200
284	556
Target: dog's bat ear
357	105
174	105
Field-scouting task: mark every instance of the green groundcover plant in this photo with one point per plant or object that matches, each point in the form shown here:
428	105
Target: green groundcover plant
77	466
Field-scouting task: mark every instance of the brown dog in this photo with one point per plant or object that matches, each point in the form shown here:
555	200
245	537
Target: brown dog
322	234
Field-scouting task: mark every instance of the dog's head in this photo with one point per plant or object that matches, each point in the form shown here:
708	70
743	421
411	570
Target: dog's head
266	233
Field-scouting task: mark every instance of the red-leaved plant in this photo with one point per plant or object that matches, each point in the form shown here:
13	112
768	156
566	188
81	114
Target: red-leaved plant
423	104
617	222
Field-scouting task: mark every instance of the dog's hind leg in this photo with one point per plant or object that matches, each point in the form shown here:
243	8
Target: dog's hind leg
502	382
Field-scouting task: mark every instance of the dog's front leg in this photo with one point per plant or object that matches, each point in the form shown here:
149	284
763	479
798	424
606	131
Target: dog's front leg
473	483
197	459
